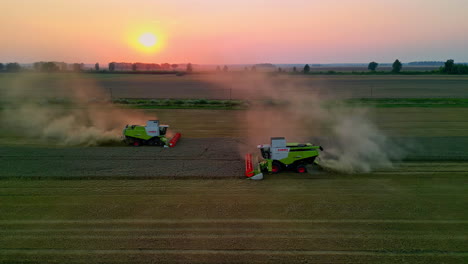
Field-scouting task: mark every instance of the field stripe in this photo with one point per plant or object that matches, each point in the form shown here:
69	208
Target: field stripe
213	195
234	175
243	220
125	158
253	235
232	252
203	229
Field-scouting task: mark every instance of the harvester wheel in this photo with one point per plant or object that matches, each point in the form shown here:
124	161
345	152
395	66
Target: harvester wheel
155	142
275	167
152	142
159	142
136	143
301	169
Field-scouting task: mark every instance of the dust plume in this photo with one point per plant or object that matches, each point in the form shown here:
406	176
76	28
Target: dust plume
357	145
288	106
61	109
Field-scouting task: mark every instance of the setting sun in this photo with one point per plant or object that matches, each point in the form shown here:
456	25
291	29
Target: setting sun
148	40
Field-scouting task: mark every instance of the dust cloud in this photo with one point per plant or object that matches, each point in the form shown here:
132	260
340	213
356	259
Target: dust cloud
357	144
286	106
61	109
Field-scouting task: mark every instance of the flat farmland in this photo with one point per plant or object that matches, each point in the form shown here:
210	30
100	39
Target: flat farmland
122	204
372	218
325	69
417	121
240	86
236	86
197	158
192	204
431	133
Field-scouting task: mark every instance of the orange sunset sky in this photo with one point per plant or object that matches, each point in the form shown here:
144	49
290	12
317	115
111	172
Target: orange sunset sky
234	32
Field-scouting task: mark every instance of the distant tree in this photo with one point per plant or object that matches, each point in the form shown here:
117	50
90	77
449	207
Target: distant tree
294	69
306	68
254	69
13	67
63	66
396	67
112	66
451	67
96	66
460	69
448	66
134	67
373	66
218	68
49	67
174	66
225	68
77	67
1	66
166	66
189	67
279	69
37	66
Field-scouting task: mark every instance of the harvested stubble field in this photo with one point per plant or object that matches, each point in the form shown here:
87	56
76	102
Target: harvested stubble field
193	158
204	158
190	204
321	218
122	204
237	85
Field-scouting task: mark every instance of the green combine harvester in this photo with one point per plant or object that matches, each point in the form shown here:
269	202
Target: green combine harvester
279	156
153	134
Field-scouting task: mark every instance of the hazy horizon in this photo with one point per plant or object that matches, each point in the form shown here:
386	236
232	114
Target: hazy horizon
311	64
234	32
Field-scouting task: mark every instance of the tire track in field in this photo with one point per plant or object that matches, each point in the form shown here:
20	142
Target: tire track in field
251	234
204	229
235	221
181	158
232	252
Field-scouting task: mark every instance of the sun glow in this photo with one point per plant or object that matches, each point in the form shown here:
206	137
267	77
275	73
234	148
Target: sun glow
147	40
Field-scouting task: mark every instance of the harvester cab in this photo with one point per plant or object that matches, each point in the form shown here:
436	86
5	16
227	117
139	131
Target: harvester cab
279	156
153	128
153	134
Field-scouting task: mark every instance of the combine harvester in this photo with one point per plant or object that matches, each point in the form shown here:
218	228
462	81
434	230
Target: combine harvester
153	134
281	156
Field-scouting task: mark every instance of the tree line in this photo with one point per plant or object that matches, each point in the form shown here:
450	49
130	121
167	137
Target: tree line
10	67
396	66
138	66
43	66
449	67
52	66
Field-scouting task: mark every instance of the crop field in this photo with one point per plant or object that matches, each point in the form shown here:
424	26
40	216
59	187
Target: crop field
325	69
239	85
375	218
114	203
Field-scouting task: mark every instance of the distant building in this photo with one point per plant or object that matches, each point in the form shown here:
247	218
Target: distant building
77	67
39	66
147	66
62	65
138	66
120	66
